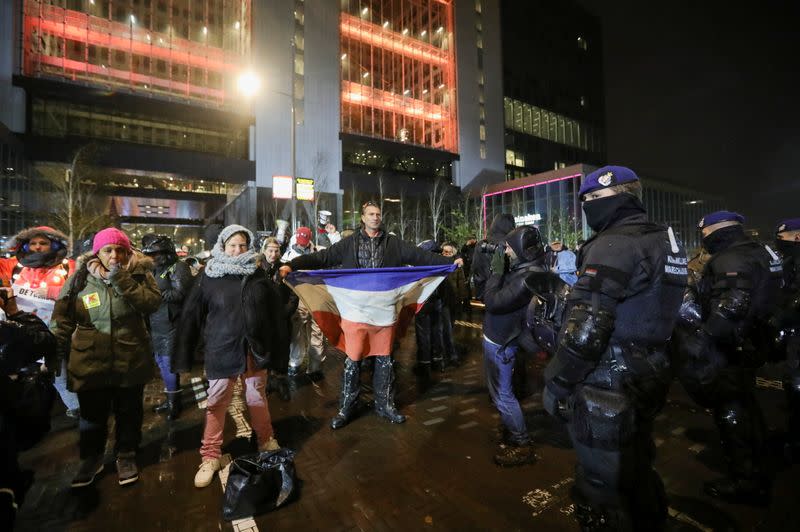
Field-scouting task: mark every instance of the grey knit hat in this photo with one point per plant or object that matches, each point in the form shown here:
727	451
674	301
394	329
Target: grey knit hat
231	230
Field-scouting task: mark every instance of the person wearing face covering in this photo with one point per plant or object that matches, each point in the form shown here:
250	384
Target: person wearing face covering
238	311
502	224
787	320
610	373
174	280
507	296
727	310
100	320
36	273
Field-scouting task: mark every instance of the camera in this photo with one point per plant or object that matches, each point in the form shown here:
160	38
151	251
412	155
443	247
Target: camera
490	247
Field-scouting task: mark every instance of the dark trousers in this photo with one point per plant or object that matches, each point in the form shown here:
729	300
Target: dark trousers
445	334
96	405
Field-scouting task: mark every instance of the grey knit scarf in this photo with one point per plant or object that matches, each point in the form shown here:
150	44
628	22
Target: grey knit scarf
221	264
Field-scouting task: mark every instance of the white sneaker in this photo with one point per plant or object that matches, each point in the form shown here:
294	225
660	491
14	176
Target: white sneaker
206	472
271	445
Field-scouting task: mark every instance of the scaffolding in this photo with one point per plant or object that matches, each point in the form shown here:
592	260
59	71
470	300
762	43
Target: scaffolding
190	49
398	71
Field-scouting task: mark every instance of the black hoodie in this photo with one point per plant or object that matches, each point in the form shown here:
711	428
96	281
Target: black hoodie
501	226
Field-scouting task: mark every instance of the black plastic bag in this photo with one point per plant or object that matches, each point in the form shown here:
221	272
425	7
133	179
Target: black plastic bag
259	483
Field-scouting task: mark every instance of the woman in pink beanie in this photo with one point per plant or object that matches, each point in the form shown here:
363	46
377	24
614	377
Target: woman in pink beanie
100	319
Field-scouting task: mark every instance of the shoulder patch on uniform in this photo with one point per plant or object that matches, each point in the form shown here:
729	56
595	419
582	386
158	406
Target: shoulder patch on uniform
591	272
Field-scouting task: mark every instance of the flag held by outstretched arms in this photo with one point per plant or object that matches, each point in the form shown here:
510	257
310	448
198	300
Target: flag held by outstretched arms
374	306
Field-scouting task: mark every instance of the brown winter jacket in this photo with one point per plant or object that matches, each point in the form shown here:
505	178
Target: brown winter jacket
103	328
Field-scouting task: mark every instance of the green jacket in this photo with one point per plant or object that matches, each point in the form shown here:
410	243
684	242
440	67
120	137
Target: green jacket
103	329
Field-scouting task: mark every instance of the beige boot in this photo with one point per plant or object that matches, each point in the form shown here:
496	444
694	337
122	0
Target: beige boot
270	445
206	472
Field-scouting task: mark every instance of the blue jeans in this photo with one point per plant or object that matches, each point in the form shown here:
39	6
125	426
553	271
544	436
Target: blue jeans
171	383
499	367
70	399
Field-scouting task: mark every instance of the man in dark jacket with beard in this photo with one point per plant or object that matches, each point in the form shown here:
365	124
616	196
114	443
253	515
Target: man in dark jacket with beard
370	247
735	296
610	373
174	279
501	226
507	298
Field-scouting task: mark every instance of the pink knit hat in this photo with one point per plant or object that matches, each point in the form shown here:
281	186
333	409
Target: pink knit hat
108	236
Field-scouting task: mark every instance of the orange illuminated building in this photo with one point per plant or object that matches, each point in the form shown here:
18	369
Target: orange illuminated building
398	71
191	49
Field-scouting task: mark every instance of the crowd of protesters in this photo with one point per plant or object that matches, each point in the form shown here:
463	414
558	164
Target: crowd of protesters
119	309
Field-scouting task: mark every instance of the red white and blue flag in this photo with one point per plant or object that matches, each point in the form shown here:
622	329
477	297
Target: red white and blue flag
370	306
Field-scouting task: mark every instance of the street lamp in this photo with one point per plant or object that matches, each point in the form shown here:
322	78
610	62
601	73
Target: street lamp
249	84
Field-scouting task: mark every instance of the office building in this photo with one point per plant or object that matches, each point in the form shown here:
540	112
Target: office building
552	85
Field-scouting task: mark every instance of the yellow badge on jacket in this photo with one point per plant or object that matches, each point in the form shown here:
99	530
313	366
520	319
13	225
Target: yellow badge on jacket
91	300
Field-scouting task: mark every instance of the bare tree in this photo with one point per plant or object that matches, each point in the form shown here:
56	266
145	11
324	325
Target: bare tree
436	202
402	222
75	210
354	212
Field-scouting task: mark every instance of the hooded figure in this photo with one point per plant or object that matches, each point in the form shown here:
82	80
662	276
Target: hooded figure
36	273
37	270
507	297
501	225
238	311
174	280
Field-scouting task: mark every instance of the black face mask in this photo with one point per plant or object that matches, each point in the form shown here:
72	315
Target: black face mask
788	248
40	260
722	238
603	212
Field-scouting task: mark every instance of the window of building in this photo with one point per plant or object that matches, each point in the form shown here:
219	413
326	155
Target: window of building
582	44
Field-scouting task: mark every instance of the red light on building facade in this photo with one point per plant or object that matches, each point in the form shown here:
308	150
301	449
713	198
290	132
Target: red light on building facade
398	77
192	49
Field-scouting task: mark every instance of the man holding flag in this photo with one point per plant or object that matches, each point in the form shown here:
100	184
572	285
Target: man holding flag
364	317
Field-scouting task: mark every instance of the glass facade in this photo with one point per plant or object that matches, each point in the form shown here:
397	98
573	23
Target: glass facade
61	119
191	49
21	189
532	120
398	77
551	205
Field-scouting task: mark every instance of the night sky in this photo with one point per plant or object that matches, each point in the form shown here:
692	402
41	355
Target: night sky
706	94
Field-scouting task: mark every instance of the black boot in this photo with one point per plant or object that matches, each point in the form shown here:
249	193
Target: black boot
742	433
383	383
349	394
175	406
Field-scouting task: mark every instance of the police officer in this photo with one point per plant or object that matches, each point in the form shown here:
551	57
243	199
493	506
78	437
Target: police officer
735	297
610	374
787	320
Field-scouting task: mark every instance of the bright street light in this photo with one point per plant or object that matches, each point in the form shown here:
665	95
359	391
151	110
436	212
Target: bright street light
248	83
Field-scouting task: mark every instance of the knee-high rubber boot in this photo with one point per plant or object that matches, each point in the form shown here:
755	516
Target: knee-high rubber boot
175	406
349	394
383	382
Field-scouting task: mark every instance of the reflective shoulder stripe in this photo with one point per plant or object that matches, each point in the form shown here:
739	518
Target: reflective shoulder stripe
771	253
673	242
